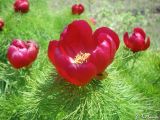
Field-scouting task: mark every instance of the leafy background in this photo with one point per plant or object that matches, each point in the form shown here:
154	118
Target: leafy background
130	91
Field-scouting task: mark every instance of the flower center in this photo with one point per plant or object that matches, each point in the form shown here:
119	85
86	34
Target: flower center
81	58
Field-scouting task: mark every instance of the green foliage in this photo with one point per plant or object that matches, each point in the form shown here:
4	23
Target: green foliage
130	90
111	98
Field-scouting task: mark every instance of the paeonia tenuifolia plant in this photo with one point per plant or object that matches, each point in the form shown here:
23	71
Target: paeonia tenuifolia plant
137	41
81	54
21	6
77	9
1	24
22	53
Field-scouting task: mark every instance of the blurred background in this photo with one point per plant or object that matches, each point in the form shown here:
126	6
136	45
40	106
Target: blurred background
116	13
130	91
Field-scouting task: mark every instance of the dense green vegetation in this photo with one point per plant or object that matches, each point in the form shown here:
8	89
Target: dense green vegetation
131	90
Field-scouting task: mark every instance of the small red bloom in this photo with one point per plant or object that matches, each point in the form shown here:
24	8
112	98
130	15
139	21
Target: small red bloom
1	24
77	9
137	41
21	6
80	54
22	54
93	21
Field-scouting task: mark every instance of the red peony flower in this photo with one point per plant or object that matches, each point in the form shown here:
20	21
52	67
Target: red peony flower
22	54
77	9
80	55
137	41
21	6
1	24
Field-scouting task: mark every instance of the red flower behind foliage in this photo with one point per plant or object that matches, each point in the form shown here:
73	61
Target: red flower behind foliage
93	21
80	54
21	6
22	54
77	9
137	41
1	24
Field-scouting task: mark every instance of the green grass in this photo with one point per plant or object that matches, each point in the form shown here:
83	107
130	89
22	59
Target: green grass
130	91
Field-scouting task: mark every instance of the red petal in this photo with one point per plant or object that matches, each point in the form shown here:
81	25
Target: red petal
80	74
140	31
147	43
78	37
17	58
11	49
77	74
18	43
80	9
51	49
75	9
32	51
108	32
137	42
129	42
111	43
103	58
126	40
113	49
105	53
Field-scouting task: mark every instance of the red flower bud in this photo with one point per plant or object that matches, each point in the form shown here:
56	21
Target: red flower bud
80	54
77	9
22	54
21	6
1	24
137	41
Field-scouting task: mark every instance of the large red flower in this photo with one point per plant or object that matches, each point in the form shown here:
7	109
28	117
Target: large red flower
1	24
80	55
77	9
137	41
22	54
21	6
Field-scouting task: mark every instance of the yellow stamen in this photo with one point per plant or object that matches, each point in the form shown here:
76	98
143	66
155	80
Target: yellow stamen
81	58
